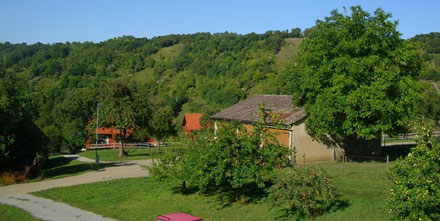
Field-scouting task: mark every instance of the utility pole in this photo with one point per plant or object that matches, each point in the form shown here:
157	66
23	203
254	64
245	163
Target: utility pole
96	138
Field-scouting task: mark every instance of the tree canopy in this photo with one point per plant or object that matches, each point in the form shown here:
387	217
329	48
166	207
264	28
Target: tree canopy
125	109
356	77
234	160
21	141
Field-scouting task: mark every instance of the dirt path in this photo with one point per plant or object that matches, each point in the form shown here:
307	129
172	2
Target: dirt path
119	171
46	209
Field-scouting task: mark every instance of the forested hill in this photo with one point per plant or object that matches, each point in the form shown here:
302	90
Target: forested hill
207	69
199	72
430	49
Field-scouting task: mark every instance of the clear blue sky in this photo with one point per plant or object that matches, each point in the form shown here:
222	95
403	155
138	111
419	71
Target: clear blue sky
50	21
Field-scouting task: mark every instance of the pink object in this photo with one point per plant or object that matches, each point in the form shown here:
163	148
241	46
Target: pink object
178	217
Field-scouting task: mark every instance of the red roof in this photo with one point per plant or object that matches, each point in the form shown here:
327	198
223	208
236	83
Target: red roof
192	121
107	130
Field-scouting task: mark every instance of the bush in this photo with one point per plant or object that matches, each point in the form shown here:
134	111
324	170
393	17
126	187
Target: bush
302	192
416	191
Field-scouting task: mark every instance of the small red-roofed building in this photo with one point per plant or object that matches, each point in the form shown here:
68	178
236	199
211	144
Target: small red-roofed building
191	124
108	138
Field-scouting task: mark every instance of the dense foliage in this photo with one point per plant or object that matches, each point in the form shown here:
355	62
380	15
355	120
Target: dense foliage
235	161
356	77
429	106
22	144
302	192
430	50
126	109
416	191
200	72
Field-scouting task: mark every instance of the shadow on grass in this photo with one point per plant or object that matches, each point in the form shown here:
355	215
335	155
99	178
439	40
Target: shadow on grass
392	151
338	205
184	190
59	167
397	150
225	196
74	169
56	162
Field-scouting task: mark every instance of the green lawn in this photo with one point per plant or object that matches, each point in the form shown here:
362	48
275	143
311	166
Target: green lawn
59	167
363	188
112	155
8	213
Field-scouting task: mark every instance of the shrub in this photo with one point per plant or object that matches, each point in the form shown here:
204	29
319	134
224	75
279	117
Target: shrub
302	192
415	194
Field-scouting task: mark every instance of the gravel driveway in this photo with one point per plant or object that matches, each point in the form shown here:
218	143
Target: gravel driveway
47	209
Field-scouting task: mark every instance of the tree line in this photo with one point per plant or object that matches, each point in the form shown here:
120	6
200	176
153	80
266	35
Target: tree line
200	72
54	89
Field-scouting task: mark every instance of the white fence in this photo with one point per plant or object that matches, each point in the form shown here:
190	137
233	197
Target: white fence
403	138
146	145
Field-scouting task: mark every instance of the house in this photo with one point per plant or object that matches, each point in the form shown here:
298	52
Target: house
292	134
107	138
191	124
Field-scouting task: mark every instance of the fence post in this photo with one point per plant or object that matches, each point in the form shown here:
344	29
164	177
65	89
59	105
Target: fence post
304	158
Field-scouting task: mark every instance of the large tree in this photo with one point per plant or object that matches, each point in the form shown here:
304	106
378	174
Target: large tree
126	109
356	77
162	123
22	144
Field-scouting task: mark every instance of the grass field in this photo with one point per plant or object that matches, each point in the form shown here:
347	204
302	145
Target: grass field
8	213
288	53
112	155
363	188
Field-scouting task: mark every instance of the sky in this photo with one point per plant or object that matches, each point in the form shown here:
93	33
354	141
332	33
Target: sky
50	21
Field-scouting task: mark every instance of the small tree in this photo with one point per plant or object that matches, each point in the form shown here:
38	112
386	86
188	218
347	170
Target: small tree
235	160
416	180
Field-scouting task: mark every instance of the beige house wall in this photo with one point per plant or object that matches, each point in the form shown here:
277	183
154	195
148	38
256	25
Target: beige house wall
304	145
310	149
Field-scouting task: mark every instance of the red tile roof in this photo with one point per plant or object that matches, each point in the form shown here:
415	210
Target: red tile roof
192	121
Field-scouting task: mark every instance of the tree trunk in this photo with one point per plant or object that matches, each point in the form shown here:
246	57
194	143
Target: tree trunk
121	144
158	146
184	186
121	151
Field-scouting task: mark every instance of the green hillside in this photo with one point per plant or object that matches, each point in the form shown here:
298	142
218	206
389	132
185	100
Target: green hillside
199	72
430	50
